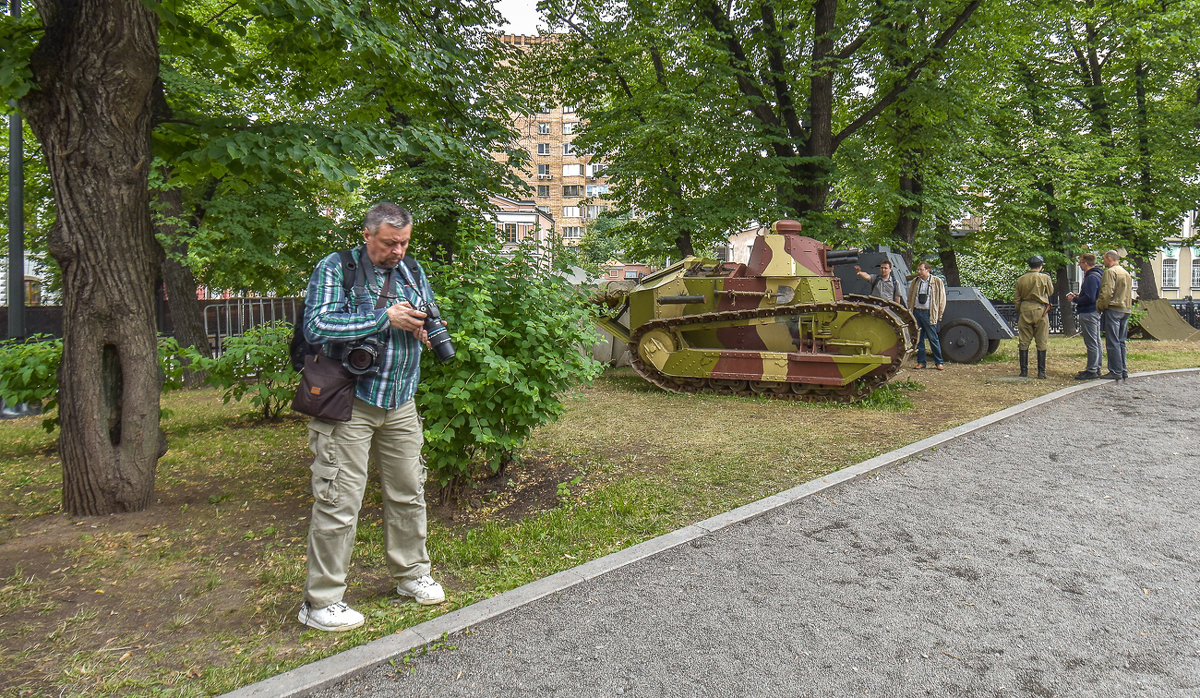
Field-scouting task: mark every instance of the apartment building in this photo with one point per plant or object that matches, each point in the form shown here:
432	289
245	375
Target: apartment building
567	184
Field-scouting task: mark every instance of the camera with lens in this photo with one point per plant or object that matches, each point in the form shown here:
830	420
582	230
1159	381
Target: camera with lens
362	357
439	336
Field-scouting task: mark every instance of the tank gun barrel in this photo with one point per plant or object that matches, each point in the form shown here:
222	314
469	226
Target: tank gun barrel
836	257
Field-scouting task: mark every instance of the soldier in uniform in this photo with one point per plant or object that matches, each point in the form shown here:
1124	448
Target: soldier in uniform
1032	299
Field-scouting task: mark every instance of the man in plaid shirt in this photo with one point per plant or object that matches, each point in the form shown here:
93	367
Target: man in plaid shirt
384	427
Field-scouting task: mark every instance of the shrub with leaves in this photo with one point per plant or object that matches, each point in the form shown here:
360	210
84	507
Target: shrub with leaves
256	364
523	336
29	372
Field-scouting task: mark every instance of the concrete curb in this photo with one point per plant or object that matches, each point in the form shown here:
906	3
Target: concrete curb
309	678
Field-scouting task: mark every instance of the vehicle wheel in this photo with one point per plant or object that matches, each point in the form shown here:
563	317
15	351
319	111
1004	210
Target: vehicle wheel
963	341
993	345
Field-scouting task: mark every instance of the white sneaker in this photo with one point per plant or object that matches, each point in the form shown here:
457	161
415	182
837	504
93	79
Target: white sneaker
423	589
334	618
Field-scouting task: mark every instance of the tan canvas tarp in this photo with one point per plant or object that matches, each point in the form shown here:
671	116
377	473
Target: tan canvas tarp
1162	321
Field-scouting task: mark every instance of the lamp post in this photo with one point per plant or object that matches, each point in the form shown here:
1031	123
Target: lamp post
16	218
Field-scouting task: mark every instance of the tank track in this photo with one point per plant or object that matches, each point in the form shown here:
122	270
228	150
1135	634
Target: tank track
804	392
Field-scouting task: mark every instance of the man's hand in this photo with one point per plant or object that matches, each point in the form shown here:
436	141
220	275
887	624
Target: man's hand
1072	296
403	316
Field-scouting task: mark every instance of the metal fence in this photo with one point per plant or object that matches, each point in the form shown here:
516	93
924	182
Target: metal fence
1187	309
232	317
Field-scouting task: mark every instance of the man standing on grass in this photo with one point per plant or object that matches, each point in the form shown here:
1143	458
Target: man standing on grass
384	427
1116	300
927	298
1089	316
1032	298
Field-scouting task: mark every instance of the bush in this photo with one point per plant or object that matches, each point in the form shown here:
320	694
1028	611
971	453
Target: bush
523	336
256	364
29	373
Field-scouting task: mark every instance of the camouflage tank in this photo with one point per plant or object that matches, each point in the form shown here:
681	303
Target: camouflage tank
777	326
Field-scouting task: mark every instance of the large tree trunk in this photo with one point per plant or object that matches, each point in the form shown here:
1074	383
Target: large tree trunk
94	71
1147	289
1066	309
947	256
187	322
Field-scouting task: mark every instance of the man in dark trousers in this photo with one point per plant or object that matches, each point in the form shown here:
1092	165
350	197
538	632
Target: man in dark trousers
1089	316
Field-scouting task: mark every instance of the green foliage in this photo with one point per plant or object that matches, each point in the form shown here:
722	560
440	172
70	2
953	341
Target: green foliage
523	336
256	364
29	372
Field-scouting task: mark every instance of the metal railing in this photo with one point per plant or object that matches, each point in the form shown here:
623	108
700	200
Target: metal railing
1188	309
232	317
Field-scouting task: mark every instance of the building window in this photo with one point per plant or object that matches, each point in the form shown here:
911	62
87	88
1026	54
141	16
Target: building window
510	232
1170	273
596	170
572	232
631	274
33	291
597	190
569	109
544	108
544	209
595	210
569	127
543	148
573	191
543	128
570	212
572	170
1195	269
568	148
543	172
543	191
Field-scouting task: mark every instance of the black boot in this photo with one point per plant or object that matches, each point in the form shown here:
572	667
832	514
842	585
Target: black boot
1024	356
1041	364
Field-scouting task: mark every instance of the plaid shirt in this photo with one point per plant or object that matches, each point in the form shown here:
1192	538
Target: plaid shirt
331	319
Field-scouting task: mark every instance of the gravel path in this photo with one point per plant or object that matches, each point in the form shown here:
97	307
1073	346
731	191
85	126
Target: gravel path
1054	554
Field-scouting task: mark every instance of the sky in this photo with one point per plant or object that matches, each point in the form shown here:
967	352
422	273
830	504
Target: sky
522	16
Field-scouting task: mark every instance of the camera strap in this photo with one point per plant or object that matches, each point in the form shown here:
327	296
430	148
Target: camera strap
385	293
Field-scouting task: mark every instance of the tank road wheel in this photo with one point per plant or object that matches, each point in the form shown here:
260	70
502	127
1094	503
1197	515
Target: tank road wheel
769	388
963	341
656	347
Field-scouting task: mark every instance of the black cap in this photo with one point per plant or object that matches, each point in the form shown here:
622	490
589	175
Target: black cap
1036	261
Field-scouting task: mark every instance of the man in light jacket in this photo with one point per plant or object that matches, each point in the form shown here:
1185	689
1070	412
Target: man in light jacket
1116	300
927	298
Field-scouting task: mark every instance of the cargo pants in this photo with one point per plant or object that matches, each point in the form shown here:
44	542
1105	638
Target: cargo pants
1033	325
391	439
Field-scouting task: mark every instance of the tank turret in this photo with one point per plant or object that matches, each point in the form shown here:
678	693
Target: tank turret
778	325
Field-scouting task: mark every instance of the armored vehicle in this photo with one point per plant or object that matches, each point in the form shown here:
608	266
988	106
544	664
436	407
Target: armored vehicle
778	325
969	329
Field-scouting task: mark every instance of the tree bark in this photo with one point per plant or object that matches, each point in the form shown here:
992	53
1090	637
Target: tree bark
1147	289
1066	309
94	70
187	322
947	256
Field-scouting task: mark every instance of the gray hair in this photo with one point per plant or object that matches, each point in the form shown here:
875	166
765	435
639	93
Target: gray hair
387	212
1112	254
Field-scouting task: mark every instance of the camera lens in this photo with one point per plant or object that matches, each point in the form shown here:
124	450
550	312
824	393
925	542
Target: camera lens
439	336
361	359
439	339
